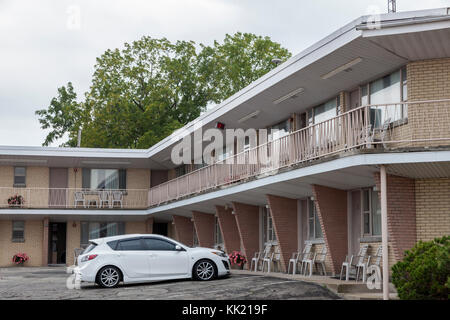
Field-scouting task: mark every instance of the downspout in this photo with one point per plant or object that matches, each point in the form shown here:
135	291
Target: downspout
384	232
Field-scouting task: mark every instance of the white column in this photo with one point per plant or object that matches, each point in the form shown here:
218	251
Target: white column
384	232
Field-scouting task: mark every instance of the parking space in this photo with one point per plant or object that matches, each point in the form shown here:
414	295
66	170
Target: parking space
50	283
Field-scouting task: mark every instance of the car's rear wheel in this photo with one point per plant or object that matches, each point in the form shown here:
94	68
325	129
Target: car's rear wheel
108	277
204	270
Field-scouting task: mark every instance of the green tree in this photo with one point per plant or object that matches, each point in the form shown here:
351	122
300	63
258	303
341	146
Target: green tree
142	93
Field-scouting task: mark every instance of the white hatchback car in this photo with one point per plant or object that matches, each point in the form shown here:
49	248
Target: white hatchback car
147	257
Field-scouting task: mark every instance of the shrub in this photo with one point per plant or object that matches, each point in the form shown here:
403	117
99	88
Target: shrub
20	258
237	258
424	273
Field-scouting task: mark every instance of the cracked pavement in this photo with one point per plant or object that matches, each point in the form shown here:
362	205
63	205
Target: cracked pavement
22	283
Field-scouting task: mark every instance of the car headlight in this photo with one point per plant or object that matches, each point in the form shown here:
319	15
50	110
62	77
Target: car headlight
220	254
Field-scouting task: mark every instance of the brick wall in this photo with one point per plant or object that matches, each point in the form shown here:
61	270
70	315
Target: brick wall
73	240
204	225
149	225
228	226
32	246
247	220
401	215
132	227
284	217
331	205
184	229
429	80
432	208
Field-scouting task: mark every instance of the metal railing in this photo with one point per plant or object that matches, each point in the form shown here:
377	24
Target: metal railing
73	198
404	124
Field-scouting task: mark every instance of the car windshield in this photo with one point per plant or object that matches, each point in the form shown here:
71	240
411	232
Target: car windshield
90	247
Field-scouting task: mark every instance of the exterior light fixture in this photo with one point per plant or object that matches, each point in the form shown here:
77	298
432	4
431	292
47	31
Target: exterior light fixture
344	67
291	95
252	115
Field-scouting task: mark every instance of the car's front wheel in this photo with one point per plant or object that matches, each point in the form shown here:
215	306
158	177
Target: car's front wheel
108	277
204	270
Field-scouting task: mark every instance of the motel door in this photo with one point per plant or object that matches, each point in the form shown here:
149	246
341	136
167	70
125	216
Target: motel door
58	188
57	243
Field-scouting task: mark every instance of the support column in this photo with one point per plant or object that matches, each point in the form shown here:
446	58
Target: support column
384	232
184	229
331	205
284	217
204	225
149	225
247	220
228	226
45	242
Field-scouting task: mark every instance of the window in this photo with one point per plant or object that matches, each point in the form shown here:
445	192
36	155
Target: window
279	130
130	245
371	213
18	231
95	230
268	229
389	89
158	244
180	171
19	176
195	238
95	179
218	240
314	228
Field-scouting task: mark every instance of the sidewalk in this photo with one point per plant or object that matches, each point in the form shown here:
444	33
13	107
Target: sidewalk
349	290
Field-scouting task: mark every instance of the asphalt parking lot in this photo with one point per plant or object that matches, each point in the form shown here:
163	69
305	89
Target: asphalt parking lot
22	283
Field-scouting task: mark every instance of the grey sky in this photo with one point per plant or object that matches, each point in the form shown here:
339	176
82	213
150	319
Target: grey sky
42	46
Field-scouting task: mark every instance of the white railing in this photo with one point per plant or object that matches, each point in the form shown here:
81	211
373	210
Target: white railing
66	198
404	124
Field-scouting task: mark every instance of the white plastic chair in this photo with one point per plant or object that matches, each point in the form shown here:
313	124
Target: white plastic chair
319	260
255	261
294	262
305	255
104	198
348	262
79	197
273	258
362	264
117	197
76	253
265	255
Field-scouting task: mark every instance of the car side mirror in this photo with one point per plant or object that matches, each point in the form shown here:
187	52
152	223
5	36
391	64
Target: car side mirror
178	248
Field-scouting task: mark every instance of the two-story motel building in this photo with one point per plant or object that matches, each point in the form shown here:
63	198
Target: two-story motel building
364	103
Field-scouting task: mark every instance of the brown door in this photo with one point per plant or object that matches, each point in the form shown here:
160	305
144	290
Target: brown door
58	187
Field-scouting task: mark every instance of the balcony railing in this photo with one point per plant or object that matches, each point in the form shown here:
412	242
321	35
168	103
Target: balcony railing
404	124
61	198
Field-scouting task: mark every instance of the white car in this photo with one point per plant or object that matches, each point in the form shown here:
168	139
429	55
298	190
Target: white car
147	257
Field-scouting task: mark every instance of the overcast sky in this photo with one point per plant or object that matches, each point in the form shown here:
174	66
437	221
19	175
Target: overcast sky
43	44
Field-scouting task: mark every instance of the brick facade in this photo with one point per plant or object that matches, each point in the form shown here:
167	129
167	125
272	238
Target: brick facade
247	220
184	229
432	208
401	212
228	226
204	225
284	218
32	246
331	205
73	240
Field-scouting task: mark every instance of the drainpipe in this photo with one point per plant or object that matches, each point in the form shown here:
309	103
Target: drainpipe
384	232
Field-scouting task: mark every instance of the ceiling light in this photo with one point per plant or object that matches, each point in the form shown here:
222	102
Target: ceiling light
24	160
106	162
249	116
292	95
341	68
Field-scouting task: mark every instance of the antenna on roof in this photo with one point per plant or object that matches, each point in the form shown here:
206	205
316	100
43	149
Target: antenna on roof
392	6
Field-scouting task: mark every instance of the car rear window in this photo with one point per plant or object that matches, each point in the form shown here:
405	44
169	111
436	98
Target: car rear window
91	247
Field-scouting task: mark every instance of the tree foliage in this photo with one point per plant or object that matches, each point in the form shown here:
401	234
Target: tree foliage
424	273
143	92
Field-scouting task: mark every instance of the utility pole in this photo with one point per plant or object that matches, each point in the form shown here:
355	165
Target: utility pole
392	6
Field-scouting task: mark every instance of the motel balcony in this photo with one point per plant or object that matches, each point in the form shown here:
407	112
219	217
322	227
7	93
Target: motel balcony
418	125
71	198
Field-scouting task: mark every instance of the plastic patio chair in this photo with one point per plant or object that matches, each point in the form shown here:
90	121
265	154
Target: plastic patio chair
319	260
117	197
305	255
255	261
348	262
104	198
79	197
